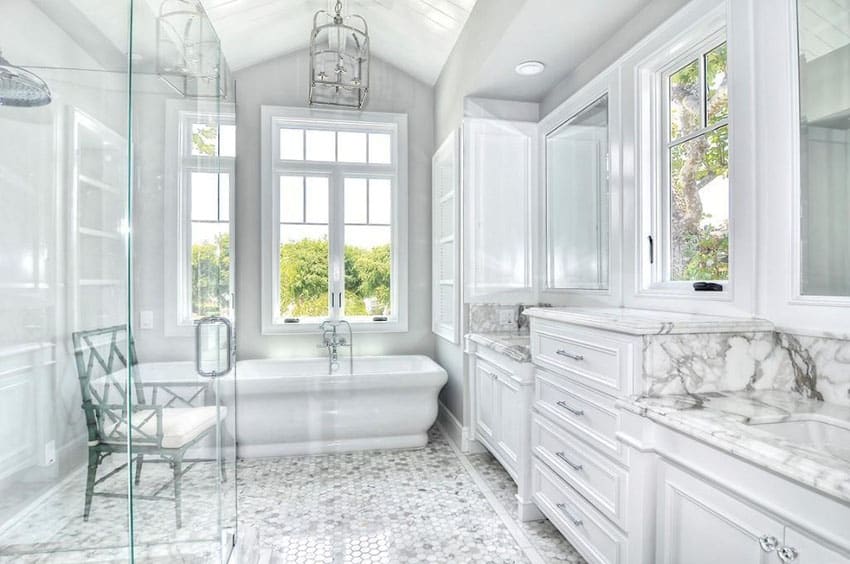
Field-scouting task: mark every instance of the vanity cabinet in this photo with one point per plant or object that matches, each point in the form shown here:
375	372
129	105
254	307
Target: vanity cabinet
499	173
502	393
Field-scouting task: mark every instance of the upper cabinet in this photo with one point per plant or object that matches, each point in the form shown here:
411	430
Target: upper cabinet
824	92
499	172
577	201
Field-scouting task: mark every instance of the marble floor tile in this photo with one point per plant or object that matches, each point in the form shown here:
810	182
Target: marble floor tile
374	507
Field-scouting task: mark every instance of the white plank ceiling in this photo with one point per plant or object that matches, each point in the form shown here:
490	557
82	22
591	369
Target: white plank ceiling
415	35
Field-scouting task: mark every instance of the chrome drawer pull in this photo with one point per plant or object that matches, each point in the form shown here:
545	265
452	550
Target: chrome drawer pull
572	410
768	543
787	554
572	465
562	352
576	522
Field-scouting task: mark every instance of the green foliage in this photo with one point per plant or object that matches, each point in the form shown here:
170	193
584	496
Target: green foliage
709	252
304	279
211	276
205	139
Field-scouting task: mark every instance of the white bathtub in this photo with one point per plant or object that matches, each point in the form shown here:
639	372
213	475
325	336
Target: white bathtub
287	407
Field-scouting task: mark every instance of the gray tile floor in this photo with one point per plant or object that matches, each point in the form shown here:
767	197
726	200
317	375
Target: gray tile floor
410	506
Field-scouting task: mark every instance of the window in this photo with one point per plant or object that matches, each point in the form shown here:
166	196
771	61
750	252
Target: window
334	188
697	169
199	188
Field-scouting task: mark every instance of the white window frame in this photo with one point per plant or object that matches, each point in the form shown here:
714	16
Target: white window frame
273	167
658	271
179	166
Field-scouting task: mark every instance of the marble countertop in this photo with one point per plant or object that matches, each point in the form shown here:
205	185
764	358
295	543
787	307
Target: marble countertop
649	322
739	423
516	347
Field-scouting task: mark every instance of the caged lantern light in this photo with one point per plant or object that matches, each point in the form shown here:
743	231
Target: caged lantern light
339	59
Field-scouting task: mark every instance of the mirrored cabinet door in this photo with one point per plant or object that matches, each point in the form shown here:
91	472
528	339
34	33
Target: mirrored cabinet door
577	201
824	51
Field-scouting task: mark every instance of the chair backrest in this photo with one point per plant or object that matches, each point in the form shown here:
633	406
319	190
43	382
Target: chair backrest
101	367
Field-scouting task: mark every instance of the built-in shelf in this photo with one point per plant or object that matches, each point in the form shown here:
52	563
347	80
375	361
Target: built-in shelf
99	233
99	184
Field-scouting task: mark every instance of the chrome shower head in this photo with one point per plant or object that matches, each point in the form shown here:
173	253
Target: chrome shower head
21	88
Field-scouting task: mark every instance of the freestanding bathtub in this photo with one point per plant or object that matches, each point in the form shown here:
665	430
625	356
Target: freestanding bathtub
288	407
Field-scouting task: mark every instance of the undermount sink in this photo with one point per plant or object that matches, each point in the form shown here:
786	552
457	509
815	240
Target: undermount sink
813	432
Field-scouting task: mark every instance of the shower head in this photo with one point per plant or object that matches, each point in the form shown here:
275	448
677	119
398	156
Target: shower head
21	88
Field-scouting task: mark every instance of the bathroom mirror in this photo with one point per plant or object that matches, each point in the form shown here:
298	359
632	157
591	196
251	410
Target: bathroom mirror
577	201
824	54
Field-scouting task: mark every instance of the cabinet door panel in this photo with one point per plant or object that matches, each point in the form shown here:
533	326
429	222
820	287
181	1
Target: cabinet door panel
498	175
485	382
700	524
510	420
810	551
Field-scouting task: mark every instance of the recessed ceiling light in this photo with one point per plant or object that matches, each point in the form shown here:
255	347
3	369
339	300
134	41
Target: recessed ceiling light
529	68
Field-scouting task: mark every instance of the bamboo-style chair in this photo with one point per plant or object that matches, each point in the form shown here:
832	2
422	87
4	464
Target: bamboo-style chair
113	409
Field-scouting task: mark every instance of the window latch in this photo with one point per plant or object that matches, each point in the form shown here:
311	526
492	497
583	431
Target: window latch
707	287
651	249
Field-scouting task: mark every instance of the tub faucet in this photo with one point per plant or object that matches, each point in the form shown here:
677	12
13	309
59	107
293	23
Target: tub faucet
332	340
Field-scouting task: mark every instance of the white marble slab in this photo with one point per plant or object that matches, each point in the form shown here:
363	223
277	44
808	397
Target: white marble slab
516	347
725	420
648	322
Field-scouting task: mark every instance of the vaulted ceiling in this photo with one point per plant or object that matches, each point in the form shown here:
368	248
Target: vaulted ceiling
414	35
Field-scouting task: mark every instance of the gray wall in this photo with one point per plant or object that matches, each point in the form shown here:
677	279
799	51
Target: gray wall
607	54
283	82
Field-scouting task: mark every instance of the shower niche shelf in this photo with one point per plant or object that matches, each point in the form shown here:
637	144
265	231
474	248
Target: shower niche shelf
97	212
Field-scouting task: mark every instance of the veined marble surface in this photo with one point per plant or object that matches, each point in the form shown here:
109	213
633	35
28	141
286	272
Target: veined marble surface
700	363
516	347
730	422
820	364
648	322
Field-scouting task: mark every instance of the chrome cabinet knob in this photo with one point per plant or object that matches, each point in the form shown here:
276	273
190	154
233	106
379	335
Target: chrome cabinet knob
787	554
768	543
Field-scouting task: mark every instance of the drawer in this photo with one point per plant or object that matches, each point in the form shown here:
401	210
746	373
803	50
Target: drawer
594	536
593	359
600	480
588	414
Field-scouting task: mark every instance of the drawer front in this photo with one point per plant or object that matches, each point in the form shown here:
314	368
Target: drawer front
587	413
595	360
597	539
600	480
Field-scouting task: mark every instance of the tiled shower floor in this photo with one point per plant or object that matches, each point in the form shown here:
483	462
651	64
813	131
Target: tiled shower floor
427	505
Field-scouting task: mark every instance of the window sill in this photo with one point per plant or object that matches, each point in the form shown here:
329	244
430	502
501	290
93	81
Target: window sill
313	328
685	290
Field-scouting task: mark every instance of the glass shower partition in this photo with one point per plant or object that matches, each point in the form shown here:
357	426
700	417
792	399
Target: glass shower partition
116	348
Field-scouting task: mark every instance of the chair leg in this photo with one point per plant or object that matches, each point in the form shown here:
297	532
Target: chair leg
139	459
177	467
90	479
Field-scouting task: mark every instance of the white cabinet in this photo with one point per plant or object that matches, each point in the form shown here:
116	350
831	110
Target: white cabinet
485	401
502	393
499	173
698	524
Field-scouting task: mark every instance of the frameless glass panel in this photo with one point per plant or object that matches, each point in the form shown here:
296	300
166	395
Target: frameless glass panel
699	208
210	244
380	148
577	201
824	43
64	286
685	101
320	145
716	90
292	144
352	147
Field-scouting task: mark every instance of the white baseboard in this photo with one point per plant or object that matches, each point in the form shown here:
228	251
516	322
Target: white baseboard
450	425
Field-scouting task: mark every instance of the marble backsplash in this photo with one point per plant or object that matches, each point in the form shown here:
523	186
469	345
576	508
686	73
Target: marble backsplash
484	318
815	367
